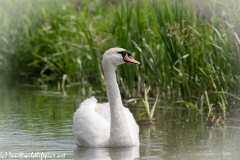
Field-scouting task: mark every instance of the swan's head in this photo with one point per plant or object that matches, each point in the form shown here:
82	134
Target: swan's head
117	56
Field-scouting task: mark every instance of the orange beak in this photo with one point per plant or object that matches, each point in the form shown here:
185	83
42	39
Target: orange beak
129	59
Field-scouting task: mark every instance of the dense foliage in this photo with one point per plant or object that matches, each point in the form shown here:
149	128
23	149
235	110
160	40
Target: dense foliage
183	56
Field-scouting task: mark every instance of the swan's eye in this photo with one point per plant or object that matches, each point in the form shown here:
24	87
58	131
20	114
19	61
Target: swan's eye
123	53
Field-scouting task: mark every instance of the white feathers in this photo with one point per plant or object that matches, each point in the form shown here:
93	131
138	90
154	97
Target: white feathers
103	125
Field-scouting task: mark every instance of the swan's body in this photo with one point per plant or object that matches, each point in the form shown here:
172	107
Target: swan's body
107	124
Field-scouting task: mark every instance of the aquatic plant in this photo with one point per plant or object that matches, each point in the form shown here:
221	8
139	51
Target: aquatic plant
149	110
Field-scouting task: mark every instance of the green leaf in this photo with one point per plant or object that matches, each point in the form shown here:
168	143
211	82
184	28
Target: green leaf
154	106
141	114
189	104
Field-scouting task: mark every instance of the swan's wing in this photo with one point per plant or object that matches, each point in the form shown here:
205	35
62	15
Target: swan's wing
132	126
91	126
103	109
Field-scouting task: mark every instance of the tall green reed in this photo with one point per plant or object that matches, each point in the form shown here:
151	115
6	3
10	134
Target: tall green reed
182	56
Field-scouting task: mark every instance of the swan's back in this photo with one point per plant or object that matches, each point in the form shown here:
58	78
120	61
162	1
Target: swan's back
91	123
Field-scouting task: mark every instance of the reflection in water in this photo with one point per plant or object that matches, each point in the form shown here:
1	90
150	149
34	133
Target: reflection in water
126	153
189	140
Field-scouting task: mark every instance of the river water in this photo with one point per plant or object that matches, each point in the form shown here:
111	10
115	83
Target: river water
37	124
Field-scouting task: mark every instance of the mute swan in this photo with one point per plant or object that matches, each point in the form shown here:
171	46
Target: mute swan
107	124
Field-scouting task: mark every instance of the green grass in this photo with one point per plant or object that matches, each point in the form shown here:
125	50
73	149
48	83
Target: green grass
183	57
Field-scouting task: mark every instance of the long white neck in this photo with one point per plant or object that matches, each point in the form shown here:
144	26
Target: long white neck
119	132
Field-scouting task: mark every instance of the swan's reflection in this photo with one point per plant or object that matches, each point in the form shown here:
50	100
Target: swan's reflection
126	153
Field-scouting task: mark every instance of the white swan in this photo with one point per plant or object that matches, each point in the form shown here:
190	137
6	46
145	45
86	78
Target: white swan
107	124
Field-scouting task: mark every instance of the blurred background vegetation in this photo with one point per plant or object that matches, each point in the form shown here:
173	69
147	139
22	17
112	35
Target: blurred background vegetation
189	51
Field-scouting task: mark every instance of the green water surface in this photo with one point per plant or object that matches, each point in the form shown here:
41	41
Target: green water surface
37	124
